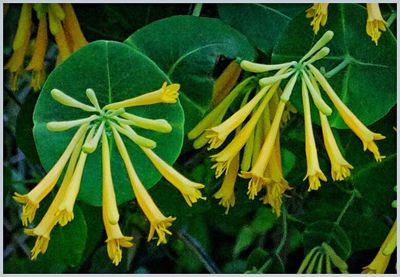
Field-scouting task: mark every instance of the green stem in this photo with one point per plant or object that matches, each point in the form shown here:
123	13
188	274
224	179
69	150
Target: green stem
199	251
284	232
344	210
338	68
197	9
391	19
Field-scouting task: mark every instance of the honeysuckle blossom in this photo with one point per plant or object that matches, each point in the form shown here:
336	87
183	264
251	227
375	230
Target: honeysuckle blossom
375	22
319	14
112	119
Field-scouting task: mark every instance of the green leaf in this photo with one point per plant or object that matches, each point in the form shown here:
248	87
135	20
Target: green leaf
23	131
188	55
119	21
115	72
324	231
257	258
260	23
263	221
368	84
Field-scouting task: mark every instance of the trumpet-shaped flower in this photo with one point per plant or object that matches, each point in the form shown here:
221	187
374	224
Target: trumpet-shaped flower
73	29
314	173
158	125
158	222
319	13
375	22
32	199
225	82
56	15
226	192
166	94
189	190
365	135
49	220
37	62
20	45
382	258
340	168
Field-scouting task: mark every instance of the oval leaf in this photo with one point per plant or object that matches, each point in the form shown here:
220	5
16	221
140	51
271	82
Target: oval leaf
188	55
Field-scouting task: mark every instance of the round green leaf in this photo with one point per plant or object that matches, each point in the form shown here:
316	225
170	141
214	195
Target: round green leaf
331	233
186	48
367	85
115	72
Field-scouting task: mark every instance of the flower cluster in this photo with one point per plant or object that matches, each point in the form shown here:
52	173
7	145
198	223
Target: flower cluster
61	20
258	137
314	261
100	125
375	22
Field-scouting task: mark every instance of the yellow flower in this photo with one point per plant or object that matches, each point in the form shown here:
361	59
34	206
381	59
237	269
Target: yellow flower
72	28
56	15
375	22
218	134
366	136
158	125
166	94
32	199
37	62
20	45
58	126
256	174
224	158
158	222
340	168
189	190
115	238
382	258
225	82
49	220
227	190
69	101
314	173
65	212
319	13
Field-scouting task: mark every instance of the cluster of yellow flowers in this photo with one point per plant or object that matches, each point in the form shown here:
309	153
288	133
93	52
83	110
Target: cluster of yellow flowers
111	120
375	22
259	135
63	25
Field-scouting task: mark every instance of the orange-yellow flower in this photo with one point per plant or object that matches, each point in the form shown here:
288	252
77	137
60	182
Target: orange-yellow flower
375	22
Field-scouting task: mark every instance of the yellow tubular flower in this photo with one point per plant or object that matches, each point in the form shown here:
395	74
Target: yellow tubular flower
32	199
158	125
375	22
256	174
20	45
109	199
69	101
58	126
225	82
158	222
319	13
227	190
166	94
382	258
365	135
49	220
218	134
216	115
340	168
65	212
115	238
132	135
57	30
224	158
189	190
314	173
72	27
37	62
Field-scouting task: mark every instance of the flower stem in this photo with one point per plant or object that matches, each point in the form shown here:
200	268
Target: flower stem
284	231
199	251
338	68
349	202
197	9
